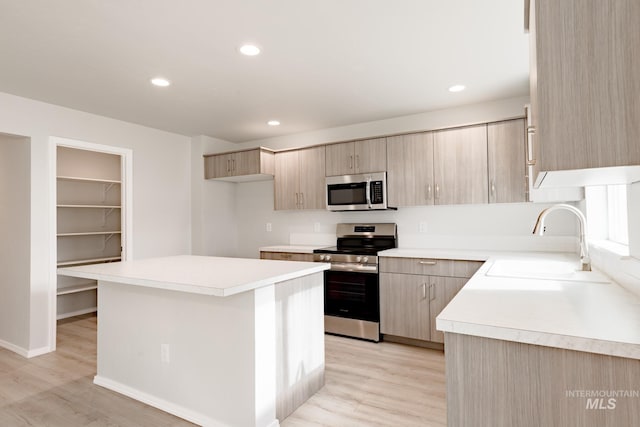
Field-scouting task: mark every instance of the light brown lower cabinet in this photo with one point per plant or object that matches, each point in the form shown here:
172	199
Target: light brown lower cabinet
410	303
410	300
404	306
492	382
286	256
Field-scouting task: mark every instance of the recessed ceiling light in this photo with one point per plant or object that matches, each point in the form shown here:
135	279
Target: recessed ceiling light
160	81
273	123
456	88
249	50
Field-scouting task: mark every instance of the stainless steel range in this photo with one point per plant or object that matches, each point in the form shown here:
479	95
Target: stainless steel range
351	286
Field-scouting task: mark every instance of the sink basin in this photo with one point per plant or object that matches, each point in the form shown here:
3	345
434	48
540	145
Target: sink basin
544	270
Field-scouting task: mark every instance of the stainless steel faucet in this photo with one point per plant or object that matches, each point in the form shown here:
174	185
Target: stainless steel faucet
584	247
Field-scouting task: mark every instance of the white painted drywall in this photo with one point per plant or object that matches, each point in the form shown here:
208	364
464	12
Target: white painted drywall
15	246
498	227
161	189
468	114
213	217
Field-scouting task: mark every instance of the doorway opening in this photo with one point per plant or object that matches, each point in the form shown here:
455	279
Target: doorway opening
92	220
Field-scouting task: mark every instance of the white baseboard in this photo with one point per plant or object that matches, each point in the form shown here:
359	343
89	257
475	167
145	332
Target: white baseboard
16	349
23	351
39	351
156	402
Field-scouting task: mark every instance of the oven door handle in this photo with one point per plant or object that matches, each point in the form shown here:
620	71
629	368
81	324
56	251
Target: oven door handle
370	269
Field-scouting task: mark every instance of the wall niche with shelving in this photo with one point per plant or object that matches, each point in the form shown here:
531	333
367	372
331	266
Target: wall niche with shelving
89	221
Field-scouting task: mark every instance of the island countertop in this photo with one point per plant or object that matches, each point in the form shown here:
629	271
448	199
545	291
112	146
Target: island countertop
216	276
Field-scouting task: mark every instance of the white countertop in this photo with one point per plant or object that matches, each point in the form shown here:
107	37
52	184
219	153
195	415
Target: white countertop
296	249
215	276
594	317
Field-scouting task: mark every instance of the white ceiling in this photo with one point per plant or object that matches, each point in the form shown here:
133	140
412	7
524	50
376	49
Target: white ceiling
324	63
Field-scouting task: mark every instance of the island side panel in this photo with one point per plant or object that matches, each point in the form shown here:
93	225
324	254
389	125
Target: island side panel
299	342
188	354
503	383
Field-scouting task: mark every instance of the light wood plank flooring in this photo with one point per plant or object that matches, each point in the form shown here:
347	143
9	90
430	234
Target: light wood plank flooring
367	384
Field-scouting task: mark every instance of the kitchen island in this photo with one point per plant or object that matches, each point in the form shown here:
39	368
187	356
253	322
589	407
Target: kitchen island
216	341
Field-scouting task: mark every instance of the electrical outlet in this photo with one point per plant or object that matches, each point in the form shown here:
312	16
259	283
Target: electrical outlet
269	228
316	227
423	227
164	353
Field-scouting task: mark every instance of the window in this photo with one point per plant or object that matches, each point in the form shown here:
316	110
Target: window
607	213
617	214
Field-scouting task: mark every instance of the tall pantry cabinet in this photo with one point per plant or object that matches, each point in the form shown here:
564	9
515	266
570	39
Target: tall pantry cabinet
89	222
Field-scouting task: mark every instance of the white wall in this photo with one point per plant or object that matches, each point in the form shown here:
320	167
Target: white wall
214	225
468	114
497	227
14	248
161	189
506	226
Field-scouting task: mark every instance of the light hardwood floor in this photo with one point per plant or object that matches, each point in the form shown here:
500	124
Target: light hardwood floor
367	384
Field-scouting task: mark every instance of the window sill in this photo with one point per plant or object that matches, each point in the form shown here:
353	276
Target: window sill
610	246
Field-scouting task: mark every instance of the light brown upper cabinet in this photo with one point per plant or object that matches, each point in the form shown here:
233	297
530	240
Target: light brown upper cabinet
410	169
299	179
585	96
506	151
354	157
254	164
460	165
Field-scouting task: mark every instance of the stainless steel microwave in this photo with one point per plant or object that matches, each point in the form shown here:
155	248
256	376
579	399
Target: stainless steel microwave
357	192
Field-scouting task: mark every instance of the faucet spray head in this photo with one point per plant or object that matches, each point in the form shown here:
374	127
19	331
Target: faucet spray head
539	228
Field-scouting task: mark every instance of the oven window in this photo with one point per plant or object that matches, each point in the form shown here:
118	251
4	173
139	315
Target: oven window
352	295
347	194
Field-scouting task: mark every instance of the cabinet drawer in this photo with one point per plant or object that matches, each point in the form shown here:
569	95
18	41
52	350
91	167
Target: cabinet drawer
286	256
429	266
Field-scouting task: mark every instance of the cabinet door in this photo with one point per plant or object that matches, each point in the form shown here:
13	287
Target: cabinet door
371	155
340	159
246	162
460	165
218	166
404	305
587	92
410	169
506	161
441	292
286	180
312	182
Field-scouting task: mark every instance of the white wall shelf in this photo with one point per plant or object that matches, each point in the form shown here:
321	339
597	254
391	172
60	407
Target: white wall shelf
90	206
77	288
89	233
88	261
77	313
83	179
89	221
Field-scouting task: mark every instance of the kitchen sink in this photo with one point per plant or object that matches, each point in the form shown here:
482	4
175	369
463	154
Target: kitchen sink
544	270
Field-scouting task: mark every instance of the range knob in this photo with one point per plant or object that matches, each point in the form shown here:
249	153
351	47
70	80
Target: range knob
327	258
359	259
365	259
321	257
